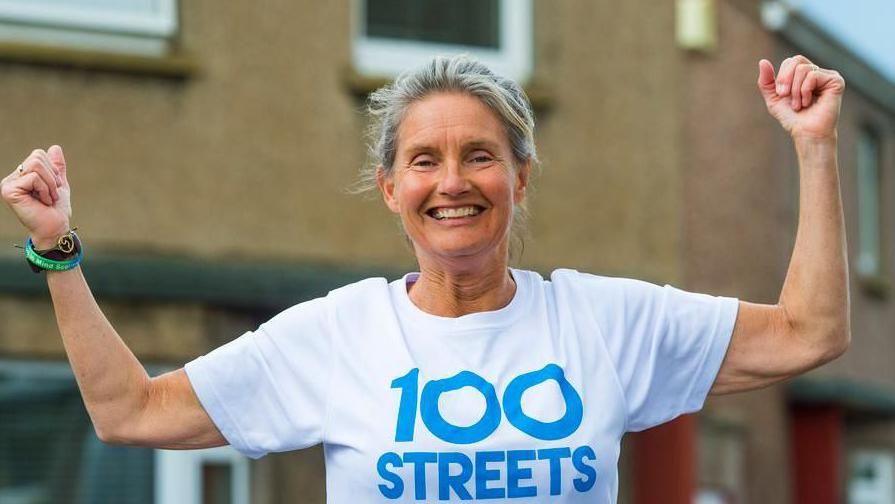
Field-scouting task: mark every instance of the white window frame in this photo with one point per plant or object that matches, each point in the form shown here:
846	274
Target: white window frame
376	56
144	31
879	491
178	474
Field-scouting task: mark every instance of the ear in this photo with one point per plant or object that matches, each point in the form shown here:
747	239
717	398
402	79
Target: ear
386	184
522	173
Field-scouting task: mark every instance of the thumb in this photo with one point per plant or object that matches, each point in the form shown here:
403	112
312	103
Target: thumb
58	159
766	79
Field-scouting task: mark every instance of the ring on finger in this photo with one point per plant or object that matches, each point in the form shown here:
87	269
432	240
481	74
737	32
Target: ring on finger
21	169
814	68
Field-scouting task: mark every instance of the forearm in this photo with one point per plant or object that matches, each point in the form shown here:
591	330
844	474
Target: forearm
113	383
815	293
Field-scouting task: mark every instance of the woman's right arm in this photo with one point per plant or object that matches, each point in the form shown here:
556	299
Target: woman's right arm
124	403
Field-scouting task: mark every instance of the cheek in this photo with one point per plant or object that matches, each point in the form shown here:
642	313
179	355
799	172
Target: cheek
410	193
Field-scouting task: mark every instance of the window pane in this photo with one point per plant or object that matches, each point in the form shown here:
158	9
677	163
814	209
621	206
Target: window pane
49	452
460	22
871	477
722	463
217	480
868	204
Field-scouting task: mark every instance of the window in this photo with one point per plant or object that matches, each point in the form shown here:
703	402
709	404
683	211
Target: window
144	27
50	453
871	478
393	35
48	449
868	172
217	475
722	461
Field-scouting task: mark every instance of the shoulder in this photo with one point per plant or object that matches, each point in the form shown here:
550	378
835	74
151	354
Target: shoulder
351	296
592	284
359	293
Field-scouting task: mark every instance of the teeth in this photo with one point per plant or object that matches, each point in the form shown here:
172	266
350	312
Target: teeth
453	213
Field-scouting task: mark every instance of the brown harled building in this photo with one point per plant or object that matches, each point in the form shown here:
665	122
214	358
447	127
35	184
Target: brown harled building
210	146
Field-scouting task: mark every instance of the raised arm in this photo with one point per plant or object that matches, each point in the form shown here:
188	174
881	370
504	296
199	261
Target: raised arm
809	325
124	403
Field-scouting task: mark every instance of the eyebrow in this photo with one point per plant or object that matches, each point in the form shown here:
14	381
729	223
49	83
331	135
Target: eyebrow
472	144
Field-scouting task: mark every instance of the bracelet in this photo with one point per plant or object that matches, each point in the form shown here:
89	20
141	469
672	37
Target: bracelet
41	263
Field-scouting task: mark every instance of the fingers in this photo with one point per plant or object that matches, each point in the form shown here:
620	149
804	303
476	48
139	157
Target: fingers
802	81
798	77
39	177
39	163
58	160
33	183
809	84
785	75
766	81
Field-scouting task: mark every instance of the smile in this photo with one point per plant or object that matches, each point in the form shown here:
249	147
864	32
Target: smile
442	213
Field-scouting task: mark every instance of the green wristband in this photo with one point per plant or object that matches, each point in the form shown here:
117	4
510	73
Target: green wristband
49	264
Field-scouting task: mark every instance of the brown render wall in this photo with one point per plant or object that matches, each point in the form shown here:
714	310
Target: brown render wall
741	210
737	233
248	158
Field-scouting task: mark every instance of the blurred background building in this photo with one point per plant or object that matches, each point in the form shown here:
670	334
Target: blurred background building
210	145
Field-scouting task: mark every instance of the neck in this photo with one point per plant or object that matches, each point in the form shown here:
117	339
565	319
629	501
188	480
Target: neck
451	291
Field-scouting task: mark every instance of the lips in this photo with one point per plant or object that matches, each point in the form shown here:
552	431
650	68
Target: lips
457	212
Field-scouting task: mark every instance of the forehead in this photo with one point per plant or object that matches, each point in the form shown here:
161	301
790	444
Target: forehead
444	119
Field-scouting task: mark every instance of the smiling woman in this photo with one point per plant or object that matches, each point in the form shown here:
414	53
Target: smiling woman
468	379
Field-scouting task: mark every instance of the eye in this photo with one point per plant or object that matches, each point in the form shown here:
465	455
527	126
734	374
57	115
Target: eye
422	163
480	157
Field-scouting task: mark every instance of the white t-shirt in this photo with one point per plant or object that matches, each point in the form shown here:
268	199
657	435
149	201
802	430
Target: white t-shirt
527	403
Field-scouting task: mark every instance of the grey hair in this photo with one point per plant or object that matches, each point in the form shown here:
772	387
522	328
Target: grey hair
388	105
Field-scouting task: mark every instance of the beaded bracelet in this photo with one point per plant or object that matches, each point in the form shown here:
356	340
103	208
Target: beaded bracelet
50	264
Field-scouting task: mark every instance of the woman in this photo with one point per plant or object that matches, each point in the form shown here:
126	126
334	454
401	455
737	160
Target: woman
467	380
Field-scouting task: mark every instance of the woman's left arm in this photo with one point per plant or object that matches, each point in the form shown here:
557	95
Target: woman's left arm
809	325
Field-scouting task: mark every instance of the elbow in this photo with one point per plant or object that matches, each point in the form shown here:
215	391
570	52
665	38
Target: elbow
836	344
107	435
111	435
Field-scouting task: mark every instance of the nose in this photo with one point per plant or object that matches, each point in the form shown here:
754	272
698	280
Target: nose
453	181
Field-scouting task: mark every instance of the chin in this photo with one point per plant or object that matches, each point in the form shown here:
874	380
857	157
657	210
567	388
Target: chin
457	250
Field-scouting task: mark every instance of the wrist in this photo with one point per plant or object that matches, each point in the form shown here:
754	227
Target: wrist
812	140
46	242
65	254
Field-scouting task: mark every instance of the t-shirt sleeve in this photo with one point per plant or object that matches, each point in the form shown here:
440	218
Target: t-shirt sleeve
666	344
266	390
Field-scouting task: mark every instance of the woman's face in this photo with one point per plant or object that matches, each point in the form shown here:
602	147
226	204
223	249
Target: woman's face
454	183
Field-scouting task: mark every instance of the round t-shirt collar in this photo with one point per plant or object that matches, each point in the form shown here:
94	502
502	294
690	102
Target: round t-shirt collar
478	321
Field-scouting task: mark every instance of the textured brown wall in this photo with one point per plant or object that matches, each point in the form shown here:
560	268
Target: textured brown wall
611	183
250	157
737	233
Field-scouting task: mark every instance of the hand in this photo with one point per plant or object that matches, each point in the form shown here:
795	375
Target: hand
40	196
804	98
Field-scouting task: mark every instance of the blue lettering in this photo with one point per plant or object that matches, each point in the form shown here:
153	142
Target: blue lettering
409	384
512	405
419	461
452	433
397	488
516	473
555	456
483	475
582	452
456	482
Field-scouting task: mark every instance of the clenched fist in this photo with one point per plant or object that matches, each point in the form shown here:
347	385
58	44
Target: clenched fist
803	97
38	193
